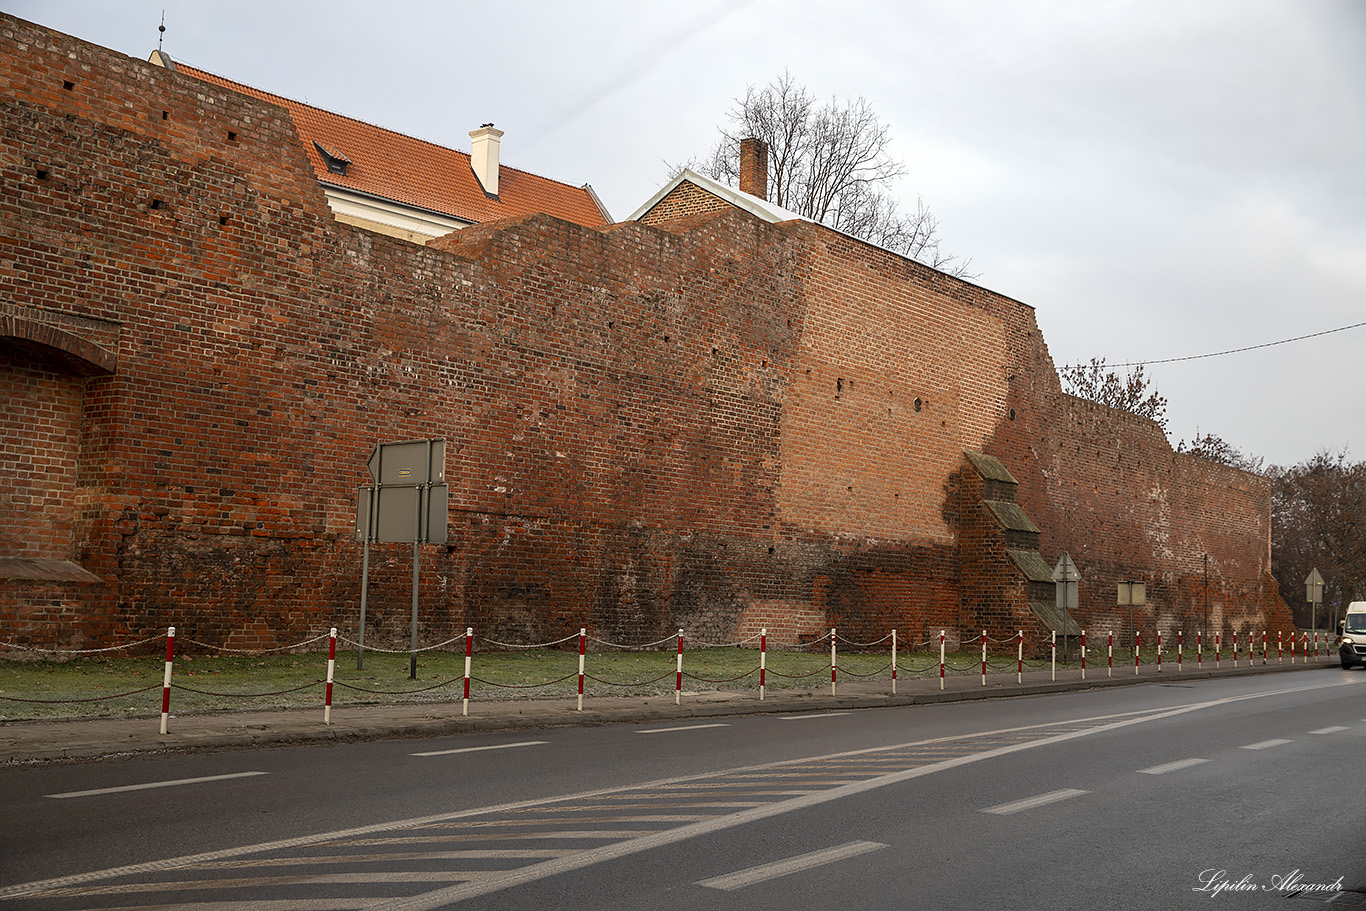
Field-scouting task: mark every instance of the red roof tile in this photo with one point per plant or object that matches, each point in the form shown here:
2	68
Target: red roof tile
416	172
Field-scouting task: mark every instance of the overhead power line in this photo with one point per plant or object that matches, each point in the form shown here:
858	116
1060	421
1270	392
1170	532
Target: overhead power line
1196	357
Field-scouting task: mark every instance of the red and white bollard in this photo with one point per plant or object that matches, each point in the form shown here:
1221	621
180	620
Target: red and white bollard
331	667
1083	654
1263	646
166	685
1179	636
941	659
583	648
469	654
1218	649
1200	650
1159	651
678	681
1137	634
1280	646
1019	656
893	662
832	661
984	657
1053	659
763	659
1110	655
1235	648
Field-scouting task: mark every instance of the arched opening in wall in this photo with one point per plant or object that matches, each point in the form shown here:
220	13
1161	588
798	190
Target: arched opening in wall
44	372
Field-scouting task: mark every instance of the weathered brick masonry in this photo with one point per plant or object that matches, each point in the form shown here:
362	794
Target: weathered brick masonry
710	422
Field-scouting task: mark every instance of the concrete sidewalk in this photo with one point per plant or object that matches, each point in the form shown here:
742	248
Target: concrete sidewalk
38	741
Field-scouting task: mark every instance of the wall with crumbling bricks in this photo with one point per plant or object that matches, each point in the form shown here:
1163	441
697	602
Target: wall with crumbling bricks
715	423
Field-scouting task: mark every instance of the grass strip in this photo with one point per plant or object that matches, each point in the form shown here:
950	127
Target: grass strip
42	690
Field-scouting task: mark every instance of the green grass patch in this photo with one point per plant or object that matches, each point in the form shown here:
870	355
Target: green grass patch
131	687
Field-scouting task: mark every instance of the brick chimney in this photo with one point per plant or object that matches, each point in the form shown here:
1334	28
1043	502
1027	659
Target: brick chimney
754	167
484	156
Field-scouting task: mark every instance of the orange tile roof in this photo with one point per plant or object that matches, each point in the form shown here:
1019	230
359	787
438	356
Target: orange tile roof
418	173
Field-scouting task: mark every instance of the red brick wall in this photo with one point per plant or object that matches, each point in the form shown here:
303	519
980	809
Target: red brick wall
710	424
40	435
861	463
685	199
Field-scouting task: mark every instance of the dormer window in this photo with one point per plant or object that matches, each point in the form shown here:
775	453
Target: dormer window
336	162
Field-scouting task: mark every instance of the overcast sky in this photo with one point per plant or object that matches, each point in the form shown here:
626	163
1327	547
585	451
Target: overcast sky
1158	179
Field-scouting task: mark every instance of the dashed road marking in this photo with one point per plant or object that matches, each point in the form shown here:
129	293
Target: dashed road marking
687	727
1265	744
765	872
1172	766
155	784
496	746
1030	803
1332	730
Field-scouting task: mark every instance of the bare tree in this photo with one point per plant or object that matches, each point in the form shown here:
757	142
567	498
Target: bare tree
1318	520
831	163
1093	381
1215	449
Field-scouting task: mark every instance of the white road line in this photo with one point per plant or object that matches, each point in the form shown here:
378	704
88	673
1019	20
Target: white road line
818	715
382	857
1030	803
1172	766
567	835
765	872
509	879
154	784
496	746
239	882
1263	744
1332	730
690	727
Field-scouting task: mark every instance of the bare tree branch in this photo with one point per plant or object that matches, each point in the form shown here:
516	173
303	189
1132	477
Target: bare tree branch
831	163
1092	381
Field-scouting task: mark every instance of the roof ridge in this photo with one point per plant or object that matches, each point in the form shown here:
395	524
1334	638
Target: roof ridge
198	72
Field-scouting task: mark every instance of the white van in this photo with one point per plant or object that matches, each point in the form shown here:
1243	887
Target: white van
1353	631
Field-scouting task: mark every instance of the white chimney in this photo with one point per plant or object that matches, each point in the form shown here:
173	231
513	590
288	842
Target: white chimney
484	156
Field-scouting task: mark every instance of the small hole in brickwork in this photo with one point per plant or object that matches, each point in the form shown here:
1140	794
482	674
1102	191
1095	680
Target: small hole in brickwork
165	115
715	351
666	338
839	384
765	363
610	324
42	174
154	204
222	220
918	403
232	137
68	85
1012	414
770	550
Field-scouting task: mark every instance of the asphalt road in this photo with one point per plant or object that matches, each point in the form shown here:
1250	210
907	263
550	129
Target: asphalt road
1121	798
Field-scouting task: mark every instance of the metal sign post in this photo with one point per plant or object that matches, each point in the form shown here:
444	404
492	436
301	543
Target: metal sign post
365	503
1066	576
1313	593
1132	595
406	504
